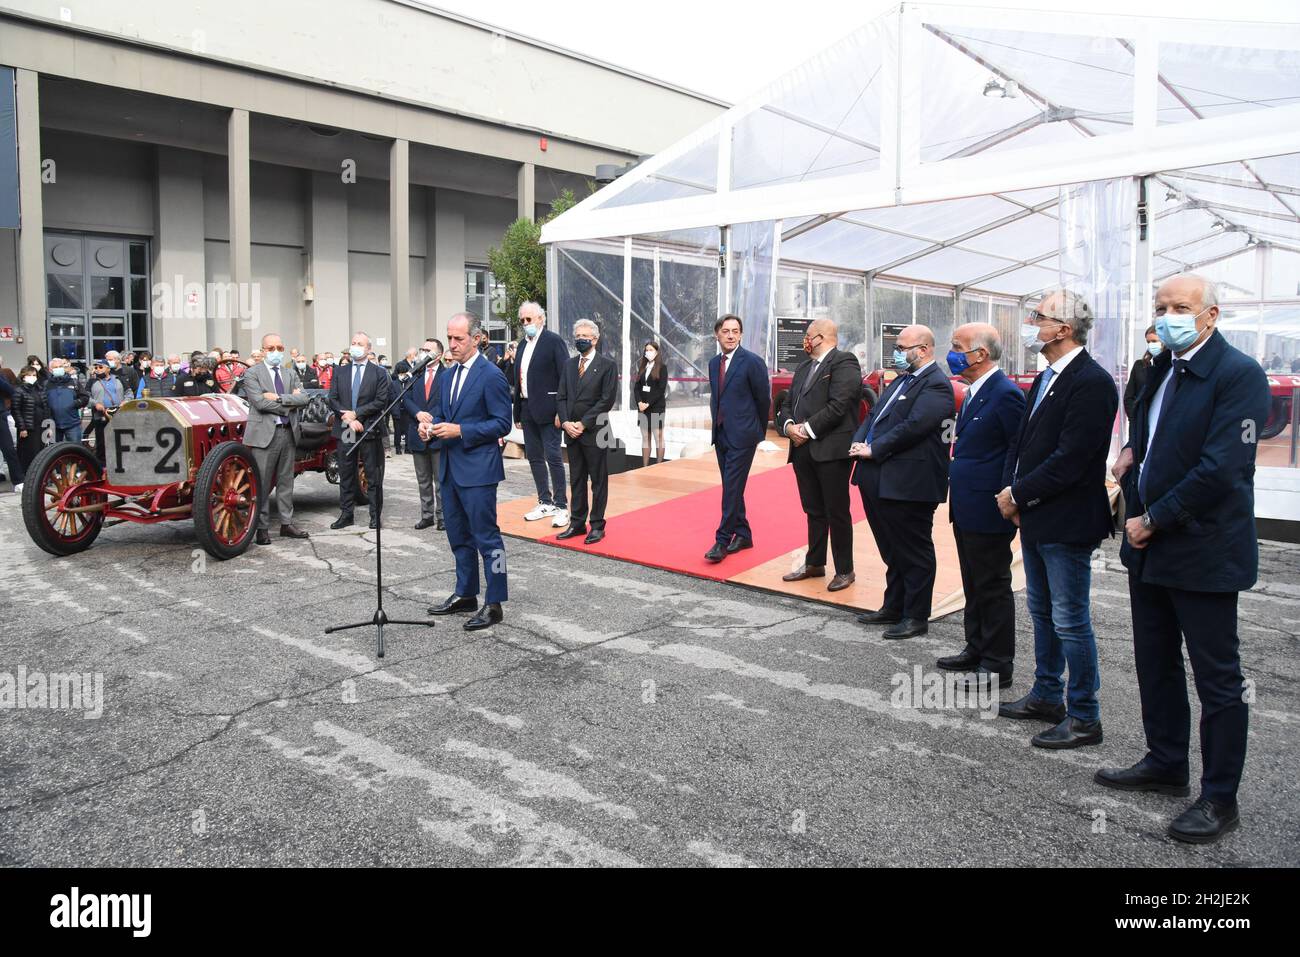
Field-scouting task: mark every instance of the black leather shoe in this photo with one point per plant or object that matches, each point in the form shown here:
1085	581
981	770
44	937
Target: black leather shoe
423	524
573	531
978	677
881	617
292	531
343	521
1070	733
739	544
906	628
1142	777
263	537
805	571
374	523
715	554
487	616
595	535
454	604
841	582
440	526
966	661
1031	707
1204	822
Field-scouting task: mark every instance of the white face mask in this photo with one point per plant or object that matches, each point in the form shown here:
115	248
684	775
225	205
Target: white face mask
176	367
30	379
159	371
1029	338
650	355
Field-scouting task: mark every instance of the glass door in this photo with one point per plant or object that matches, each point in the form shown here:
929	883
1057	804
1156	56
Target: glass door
97	295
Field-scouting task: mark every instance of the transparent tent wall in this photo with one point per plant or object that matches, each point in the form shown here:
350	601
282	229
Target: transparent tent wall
585	281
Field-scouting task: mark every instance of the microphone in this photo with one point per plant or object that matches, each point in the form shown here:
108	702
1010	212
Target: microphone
422	364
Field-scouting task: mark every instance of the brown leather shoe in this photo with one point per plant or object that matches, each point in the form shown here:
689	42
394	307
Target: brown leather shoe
805	571
840	582
292	531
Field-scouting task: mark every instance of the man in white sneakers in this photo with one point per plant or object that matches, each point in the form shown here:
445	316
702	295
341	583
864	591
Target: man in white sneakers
539	364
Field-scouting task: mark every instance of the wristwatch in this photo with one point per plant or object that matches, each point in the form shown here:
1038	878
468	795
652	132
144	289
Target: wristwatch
1149	525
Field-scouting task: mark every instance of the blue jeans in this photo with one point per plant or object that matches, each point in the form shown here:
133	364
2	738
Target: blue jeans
542	447
1057	579
70	434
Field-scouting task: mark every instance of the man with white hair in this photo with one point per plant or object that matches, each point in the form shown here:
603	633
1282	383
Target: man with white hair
1055	490
536	373
358	394
1190	548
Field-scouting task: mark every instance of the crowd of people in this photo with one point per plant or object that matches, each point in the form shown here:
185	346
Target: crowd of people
1007	464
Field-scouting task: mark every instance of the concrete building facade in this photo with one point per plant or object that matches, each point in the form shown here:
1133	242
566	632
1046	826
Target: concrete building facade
190	178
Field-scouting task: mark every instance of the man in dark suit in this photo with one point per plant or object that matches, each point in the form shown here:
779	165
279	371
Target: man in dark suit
421	404
902	473
819	415
588	389
740	396
472	417
1190	547
357	396
1055	478
539	364
989	418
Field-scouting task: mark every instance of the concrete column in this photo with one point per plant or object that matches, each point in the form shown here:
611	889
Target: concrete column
241	311
399	248
447	258
179	298
31	232
326	319
527	191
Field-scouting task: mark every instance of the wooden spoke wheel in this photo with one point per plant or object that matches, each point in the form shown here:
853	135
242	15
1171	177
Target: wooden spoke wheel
226	503
63	530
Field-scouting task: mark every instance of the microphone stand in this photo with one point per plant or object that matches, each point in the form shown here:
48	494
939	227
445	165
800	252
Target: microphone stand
380	618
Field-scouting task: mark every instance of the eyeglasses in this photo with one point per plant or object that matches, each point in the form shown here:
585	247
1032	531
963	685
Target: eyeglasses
1037	317
274	349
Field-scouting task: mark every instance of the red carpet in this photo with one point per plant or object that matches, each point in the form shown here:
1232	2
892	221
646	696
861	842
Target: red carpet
674	535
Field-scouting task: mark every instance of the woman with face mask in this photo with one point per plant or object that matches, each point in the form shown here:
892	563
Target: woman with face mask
1137	377
31	413
650	391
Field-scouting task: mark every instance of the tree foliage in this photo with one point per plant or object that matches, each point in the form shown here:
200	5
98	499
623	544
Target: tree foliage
519	262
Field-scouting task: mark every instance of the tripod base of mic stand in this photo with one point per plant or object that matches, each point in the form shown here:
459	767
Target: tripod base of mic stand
378	621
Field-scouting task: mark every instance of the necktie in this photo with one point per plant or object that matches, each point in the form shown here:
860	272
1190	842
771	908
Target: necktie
805	386
902	387
582	367
455	383
428	383
357	372
1166	402
279	390
1042	389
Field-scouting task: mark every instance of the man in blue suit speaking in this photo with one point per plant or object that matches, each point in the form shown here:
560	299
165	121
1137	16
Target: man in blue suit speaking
740	397
472	416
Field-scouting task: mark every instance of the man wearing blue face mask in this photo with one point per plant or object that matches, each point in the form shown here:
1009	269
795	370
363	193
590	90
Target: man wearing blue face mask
902	474
358	393
1190	547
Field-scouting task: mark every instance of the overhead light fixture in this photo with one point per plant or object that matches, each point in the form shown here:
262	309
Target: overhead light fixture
996	88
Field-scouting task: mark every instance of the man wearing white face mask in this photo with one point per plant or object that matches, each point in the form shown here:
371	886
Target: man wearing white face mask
1190	547
358	394
1055	477
539	365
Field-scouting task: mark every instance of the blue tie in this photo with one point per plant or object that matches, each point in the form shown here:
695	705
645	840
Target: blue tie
356	384
871	429
1042	389
1166	401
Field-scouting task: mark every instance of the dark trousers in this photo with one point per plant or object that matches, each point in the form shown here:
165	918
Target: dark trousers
990	616
542	447
12	466
588	462
400	423
824	494
734	465
904	533
1162	619
371	455
97	427
472	531
29	448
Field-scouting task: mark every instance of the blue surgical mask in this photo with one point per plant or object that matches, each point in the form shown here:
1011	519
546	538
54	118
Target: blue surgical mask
584	345
58	372
356	352
957	362
531	331
1154	348
1177	330
900	360
274	359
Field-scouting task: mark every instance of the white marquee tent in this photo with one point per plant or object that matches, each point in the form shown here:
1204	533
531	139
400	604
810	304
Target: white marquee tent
945	164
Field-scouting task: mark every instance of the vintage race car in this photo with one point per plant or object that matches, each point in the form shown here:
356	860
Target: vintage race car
167	459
